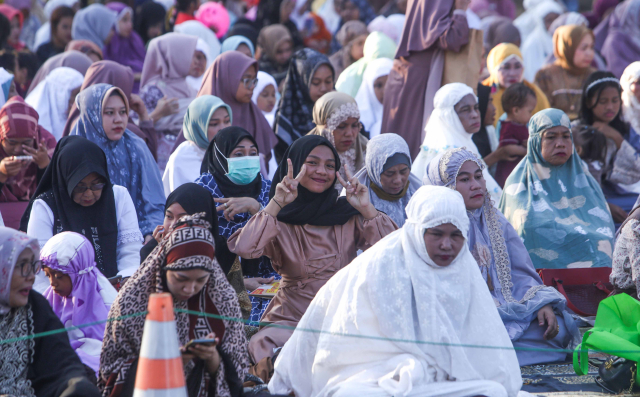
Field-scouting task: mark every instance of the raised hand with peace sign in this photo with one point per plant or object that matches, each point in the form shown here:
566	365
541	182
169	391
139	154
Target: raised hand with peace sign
286	190
357	194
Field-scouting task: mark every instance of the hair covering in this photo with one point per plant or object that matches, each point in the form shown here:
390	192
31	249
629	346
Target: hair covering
318	36
426	22
568	18
572	226
622	43
19	120
378	45
74	159
382	25
91	294
247	28
165	64
445	118
380	150
598	9
271	37
150	14
6	79
197	29
566	40
12	243
452	309
214	16
630	103
43	34
530	19
93	23
368	104
72	59
486	8
109	72
538	45
502	258
10	12
86	47
232	43
222	80
130	164
499	30
294	117
497	56
329	111
318	209
127	51
51	98
196	120
188	245
265	80
346	36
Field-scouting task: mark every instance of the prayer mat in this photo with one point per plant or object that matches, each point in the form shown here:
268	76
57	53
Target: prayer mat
544	379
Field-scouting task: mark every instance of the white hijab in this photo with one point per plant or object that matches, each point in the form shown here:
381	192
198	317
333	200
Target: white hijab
368	104
630	104
393	295
528	21
50	98
539	44
444	131
264	80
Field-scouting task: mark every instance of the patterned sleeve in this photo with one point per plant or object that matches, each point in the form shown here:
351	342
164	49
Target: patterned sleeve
150	95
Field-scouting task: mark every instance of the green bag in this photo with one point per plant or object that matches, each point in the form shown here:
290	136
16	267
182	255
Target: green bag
617	329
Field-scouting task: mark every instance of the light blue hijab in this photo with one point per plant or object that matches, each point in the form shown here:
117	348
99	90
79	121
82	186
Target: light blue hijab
559	211
232	43
129	160
196	120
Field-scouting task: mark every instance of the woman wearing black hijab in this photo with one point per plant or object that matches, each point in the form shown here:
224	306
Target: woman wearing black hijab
308	232
75	194
240	192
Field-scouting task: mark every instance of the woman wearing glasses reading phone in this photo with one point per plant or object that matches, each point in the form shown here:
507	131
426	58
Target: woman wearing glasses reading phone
76	194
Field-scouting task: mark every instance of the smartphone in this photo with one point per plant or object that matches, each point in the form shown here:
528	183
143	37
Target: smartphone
23	157
193	342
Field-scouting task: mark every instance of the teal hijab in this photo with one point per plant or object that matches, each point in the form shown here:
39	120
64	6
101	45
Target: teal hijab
196	120
232	43
558	211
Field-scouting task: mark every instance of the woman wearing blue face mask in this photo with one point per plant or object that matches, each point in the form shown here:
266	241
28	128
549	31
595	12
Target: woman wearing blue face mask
231	172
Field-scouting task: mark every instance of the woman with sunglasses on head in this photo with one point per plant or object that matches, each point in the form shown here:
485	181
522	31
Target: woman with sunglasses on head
45	366
76	194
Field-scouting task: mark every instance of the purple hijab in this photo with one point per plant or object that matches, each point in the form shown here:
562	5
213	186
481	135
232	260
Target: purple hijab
127	51
621	47
91	296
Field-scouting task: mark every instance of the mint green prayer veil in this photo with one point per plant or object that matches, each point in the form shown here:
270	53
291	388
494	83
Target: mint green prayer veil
196	120
559	211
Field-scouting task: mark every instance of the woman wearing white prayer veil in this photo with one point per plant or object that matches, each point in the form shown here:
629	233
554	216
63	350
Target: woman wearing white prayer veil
539	44
420	283
454	120
371	93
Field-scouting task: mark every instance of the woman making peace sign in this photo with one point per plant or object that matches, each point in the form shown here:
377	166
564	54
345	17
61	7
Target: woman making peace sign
308	232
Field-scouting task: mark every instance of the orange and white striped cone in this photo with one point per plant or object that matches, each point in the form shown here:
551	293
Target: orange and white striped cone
160	372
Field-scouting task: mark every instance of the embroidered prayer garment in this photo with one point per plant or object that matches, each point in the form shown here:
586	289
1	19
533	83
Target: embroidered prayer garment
508	271
129	161
499	55
452	307
562	81
184	164
383	152
265	80
51	98
93	23
311	239
295	110
559	211
45	366
630	103
329	112
626	258
188	245
378	45
622	44
19	120
445	118
368	104
72	59
90	298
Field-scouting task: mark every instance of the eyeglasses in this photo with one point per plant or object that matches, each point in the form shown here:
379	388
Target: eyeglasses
26	269
249	83
94	188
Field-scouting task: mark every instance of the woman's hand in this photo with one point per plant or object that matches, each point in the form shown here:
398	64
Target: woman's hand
251	284
237	205
546	315
207	353
158	233
165	107
287	189
618	214
357	195
9	167
137	106
40	155
609	132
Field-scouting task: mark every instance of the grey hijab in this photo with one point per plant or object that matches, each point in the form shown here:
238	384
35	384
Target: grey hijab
93	23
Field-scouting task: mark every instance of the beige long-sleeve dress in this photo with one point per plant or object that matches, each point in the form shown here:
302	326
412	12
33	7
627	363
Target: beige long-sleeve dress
306	256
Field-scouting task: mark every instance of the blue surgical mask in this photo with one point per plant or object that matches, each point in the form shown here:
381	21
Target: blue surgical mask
242	170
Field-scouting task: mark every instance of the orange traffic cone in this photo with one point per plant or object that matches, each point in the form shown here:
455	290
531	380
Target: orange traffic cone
160	372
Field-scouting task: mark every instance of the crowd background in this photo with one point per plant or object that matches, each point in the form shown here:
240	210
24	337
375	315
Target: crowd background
349	150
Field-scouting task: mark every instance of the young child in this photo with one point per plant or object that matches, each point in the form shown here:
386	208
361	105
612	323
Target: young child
264	96
79	293
518	102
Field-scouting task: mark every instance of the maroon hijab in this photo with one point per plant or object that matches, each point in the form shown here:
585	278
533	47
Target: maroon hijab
426	21
110	72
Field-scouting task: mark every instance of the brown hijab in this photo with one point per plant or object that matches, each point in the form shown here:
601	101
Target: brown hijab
566	40
426	21
271	37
